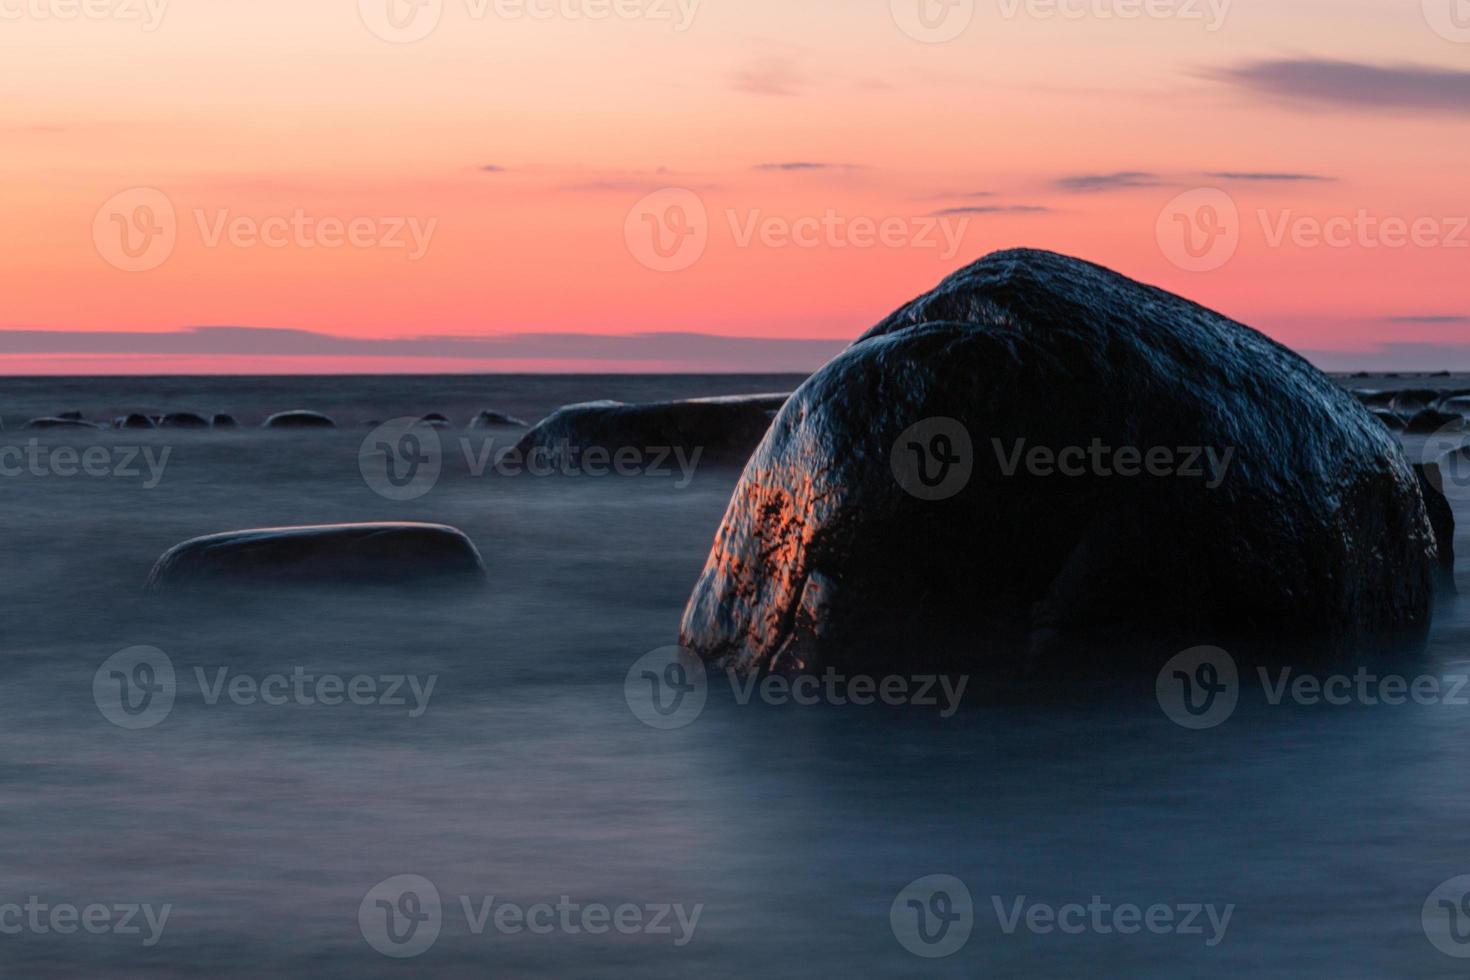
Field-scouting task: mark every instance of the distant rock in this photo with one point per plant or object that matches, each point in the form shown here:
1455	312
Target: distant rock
1410	401
880	527
723	430
71	416
299	419
183	420
435	421
496	420
223	421
1374	398
134	421
1428	420
1456	402
1394	421
56	422
337	554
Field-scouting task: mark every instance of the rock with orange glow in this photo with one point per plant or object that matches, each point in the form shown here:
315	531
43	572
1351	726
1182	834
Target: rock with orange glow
1015	469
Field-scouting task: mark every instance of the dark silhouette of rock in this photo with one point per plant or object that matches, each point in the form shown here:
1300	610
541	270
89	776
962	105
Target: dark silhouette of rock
1457	403
133	421
56	422
71	416
1428	420
496	420
299	419
723	430
1373	398
1411	401
183	420
1393	421
223	421
435	420
835	551
1441	518
337	554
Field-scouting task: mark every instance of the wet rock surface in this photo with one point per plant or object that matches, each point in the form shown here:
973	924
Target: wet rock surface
722	430
836	550
299	419
333	555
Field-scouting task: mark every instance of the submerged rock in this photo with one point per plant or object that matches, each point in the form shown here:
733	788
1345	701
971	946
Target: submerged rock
496	420
134	421
1391	420
57	422
71	416
722	430
1429	420
896	517
299	419
334	554
435	420
183	420
1409	401
223	421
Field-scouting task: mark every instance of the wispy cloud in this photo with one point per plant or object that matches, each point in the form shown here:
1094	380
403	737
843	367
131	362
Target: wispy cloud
1267	176
492	168
1432	319
992	209
1112	181
1355	85
800	165
772	75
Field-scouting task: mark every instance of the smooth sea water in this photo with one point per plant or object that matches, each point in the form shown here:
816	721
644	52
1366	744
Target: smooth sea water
529	778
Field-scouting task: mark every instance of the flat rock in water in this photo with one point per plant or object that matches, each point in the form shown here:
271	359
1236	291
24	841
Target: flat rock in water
299	419
723	430
496	420
895	519
333	555
57	422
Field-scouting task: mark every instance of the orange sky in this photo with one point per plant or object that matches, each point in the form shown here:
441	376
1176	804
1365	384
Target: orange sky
305	166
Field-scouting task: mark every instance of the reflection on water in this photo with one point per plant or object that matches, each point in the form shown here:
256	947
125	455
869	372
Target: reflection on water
528	778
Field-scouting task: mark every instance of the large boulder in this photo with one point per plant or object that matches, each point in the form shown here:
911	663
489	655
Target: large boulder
721	430
335	554
865	534
496	420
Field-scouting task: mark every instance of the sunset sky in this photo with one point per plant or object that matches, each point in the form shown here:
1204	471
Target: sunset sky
473	199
